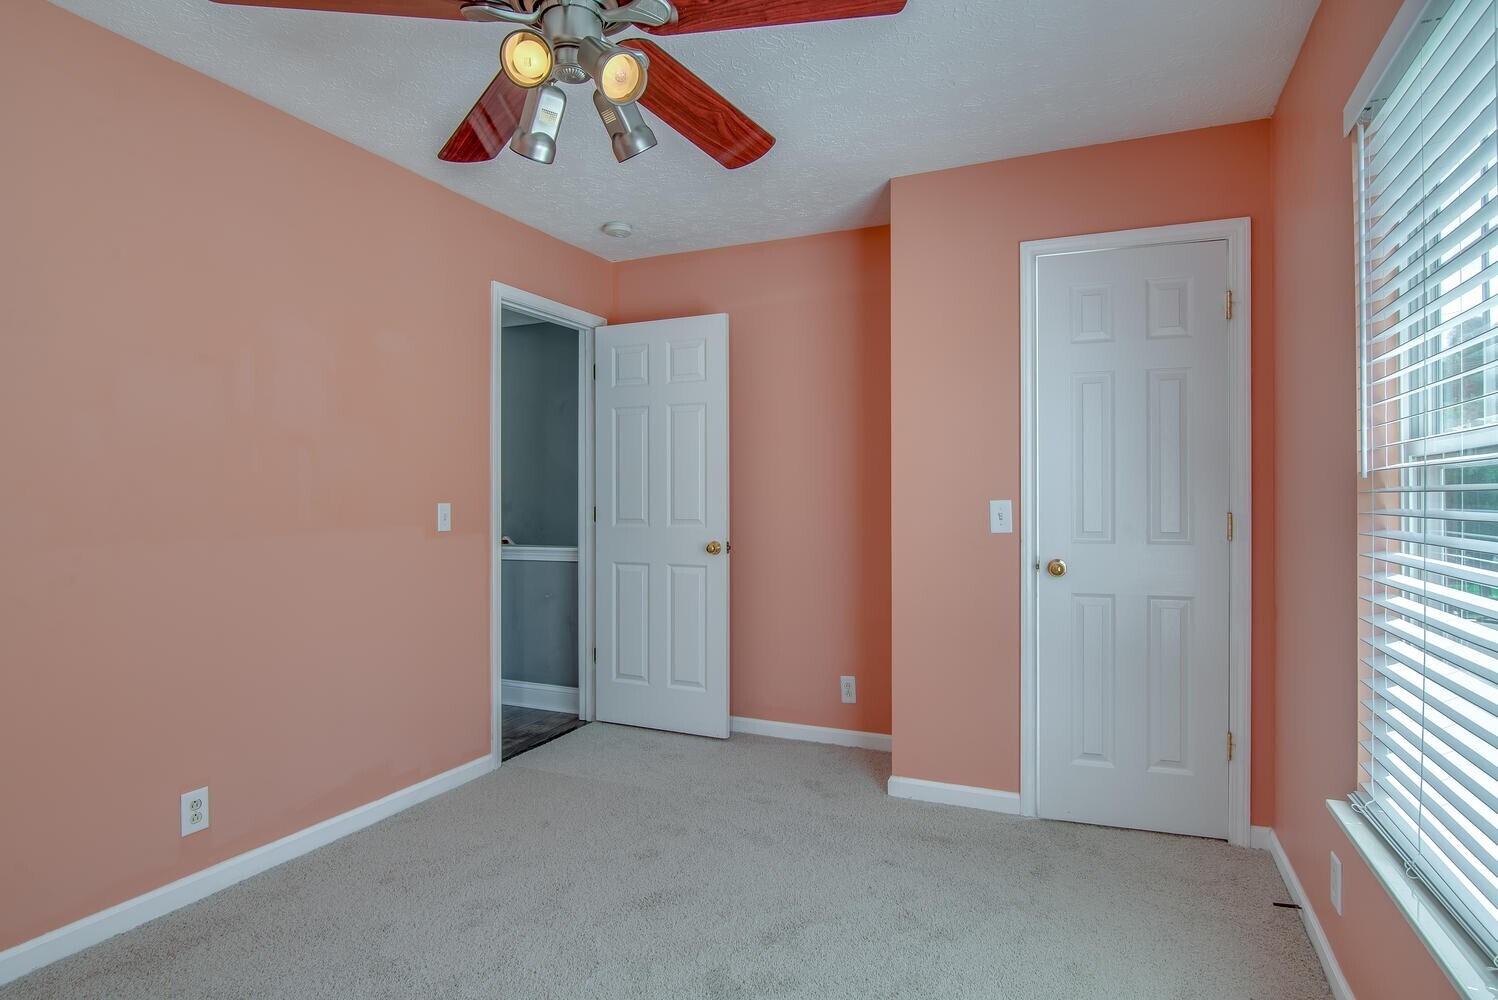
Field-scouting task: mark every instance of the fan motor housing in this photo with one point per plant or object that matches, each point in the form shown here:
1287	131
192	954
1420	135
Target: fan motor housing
567	22
567	70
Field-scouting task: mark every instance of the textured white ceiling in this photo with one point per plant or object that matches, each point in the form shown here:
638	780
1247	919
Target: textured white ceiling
852	103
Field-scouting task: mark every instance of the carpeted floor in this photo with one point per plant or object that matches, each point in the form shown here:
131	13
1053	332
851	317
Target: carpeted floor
617	862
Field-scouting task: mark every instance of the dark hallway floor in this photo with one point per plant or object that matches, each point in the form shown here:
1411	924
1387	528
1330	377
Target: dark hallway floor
527	728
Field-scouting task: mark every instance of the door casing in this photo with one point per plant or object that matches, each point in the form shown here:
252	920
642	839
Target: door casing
563	315
1237	233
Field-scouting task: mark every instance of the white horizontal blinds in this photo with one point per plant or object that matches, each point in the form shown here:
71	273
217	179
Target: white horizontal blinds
1428	233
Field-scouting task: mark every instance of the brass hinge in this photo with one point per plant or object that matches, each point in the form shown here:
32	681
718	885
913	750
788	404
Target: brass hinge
1230	526
595	371
595	515
1230	303
595	654
1230	746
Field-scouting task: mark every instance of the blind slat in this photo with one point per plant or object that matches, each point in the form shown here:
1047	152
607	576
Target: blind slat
1443	833
1403	662
1480	791
1437	647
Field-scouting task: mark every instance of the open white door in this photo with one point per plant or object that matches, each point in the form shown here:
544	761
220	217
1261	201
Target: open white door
662	536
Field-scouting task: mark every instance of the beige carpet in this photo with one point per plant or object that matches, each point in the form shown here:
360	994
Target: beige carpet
617	862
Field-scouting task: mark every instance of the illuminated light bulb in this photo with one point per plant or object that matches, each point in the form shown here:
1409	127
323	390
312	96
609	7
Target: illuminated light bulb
531	59
526	59
620	81
622	75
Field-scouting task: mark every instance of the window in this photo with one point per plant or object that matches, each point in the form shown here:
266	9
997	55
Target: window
1428	247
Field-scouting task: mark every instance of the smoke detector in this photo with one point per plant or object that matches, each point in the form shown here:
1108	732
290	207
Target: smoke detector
618	230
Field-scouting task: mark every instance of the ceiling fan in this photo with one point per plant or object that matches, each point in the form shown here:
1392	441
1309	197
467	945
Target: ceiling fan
565	42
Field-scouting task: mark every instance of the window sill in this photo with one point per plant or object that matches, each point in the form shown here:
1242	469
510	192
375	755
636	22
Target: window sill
1463	963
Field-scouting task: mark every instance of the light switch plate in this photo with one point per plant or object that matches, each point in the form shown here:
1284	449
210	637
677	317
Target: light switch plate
1000	517
444	517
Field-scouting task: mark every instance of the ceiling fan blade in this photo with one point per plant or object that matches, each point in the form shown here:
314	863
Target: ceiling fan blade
488	126
448	9
678	97
721	15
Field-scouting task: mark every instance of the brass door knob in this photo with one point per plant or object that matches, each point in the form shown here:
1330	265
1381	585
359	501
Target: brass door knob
1056	567
713	548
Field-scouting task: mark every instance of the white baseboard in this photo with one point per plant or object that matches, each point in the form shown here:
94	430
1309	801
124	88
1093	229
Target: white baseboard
547	697
1260	837
811	734
988	799
1340	989
64	941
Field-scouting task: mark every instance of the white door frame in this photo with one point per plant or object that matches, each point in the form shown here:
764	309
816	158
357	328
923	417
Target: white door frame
585	322
1237	233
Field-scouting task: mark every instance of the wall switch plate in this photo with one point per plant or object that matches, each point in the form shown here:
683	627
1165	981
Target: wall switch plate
1336	883
850	690
444	517
195	810
1000	517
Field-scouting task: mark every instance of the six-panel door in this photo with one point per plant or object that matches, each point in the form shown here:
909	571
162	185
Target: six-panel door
1132	464
662	531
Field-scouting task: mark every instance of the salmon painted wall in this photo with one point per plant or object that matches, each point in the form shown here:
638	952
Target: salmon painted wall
809	335
240	362
955	409
1315	326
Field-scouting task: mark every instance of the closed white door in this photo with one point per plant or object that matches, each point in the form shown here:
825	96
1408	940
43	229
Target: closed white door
1132	465
662	532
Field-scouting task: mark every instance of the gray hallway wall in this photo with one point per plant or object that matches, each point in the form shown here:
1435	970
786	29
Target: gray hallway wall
538	433
538	463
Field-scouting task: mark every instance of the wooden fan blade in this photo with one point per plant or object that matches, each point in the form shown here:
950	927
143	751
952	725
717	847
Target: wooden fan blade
722	15
488	126
451	10
678	97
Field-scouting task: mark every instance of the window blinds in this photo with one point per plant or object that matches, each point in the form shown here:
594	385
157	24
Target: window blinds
1428	251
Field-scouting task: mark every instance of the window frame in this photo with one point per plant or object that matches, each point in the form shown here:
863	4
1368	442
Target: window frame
1466	961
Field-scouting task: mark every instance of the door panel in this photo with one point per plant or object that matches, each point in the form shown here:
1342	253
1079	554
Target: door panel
1133	435
662	475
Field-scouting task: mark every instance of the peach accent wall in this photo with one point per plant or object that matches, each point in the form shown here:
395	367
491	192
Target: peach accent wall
240	363
955	410
809	322
1315	326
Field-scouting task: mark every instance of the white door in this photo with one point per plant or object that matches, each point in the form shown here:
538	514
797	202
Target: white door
662	534
1132	466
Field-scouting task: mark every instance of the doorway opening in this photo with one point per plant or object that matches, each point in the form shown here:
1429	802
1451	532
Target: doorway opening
542	459
540	403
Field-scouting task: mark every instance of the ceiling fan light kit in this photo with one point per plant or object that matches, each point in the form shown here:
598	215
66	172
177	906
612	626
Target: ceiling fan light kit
526	58
536	138
626	126
622	75
554	42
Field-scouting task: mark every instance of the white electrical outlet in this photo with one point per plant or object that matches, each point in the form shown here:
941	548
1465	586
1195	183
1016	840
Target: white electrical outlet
1336	883
195	811
850	690
444	517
